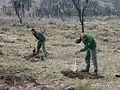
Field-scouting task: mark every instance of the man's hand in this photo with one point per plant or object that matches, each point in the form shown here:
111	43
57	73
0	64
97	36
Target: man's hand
77	41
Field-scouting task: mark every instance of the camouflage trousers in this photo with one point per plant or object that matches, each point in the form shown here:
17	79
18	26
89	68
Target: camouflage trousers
91	53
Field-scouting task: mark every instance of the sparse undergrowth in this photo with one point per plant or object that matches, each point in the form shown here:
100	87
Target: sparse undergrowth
17	41
16	73
84	84
1	53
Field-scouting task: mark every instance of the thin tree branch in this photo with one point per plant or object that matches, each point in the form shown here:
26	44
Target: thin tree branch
77	6
83	11
79	13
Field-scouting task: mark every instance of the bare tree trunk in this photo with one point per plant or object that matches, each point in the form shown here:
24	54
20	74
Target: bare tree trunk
81	11
82	23
20	19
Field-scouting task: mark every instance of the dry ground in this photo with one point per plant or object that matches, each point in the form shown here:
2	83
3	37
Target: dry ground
17	41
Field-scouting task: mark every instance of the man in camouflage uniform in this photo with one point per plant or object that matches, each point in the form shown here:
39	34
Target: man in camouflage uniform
41	41
90	48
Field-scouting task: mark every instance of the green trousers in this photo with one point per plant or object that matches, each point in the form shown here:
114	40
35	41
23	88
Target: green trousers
41	47
91	53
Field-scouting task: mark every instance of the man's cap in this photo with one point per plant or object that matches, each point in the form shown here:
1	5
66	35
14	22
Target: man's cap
83	36
32	29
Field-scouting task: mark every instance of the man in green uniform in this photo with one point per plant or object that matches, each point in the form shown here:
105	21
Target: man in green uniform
90	48
41	41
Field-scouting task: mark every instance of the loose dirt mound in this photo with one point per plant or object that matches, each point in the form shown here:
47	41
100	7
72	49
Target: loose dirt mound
71	74
34	58
12	82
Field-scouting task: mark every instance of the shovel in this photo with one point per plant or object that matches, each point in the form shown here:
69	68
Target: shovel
75	66
75	63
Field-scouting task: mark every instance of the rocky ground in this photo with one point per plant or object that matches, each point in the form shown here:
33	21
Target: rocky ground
16	42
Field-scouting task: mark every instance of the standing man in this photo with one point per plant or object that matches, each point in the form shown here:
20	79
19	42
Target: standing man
41	41
90	48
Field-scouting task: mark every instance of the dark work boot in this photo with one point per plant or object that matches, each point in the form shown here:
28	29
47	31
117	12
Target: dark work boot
85	70
95	73
42	58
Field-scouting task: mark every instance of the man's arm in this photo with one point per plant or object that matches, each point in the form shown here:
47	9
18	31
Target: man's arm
40	36
86	47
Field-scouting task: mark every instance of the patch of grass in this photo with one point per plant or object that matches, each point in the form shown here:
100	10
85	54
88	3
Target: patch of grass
5	29
18	25
30	25
68	35
1	53
21	40
15	69
92	27
52	23
18	71
83	85
12	52
63	45
9	41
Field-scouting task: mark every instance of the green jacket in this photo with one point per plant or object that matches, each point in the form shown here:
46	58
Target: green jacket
90	43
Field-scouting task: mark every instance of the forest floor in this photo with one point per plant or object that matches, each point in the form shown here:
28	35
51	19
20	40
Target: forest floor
16	41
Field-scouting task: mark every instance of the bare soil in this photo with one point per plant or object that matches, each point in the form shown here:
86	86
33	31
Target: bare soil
16	42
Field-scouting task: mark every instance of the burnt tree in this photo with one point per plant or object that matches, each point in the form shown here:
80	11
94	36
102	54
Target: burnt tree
81	6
